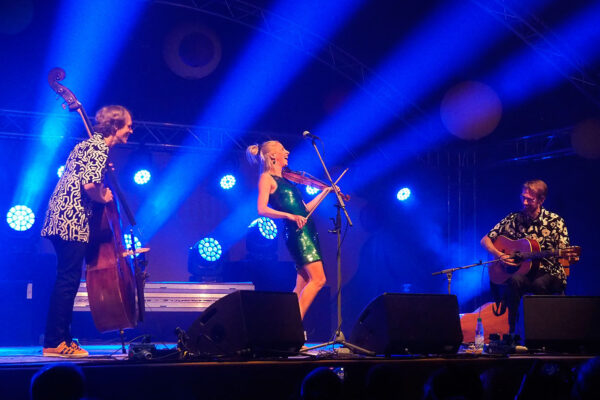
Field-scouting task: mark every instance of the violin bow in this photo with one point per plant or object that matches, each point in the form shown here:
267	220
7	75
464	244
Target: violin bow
323	198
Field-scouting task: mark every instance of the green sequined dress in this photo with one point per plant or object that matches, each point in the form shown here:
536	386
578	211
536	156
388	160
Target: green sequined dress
303	245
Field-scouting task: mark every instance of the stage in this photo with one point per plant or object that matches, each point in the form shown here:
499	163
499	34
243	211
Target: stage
111	375
450	125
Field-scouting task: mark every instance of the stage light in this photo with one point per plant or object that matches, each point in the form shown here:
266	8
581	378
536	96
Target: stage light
311	190
266	227
142	177
259	239
209	249
271	75
60	170
204	260
403	194
228	181
20	218
127	240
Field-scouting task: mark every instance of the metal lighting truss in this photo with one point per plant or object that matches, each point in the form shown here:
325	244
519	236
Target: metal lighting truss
533	32
315	46
156	135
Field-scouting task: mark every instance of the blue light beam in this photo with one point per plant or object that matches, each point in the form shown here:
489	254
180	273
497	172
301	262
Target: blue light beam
528	73
87	49
265	68
453	37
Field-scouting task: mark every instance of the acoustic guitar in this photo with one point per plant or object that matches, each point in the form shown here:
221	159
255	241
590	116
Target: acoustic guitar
527	254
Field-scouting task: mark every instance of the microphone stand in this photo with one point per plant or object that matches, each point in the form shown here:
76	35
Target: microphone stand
339	337
449	271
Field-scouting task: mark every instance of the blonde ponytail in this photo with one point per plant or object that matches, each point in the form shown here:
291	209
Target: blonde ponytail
259	154
252	154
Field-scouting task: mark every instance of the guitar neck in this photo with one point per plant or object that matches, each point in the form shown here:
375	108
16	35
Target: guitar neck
540	254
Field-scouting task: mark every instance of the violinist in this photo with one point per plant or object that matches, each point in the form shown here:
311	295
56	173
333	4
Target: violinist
279	198
67	222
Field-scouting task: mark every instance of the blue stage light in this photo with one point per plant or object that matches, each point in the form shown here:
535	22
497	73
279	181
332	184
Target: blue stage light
228	181
209	249
40	156
311	190
266	226
403	194
142	177
60	170
271	74
127	240
20	218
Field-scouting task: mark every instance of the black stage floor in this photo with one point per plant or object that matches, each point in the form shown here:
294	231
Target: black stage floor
111	375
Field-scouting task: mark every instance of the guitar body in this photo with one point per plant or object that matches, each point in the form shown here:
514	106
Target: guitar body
491	323
499	272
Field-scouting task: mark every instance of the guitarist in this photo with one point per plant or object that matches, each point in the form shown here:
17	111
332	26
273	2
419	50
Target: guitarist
67	222
532	222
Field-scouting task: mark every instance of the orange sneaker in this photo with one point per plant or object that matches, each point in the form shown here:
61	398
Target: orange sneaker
63	350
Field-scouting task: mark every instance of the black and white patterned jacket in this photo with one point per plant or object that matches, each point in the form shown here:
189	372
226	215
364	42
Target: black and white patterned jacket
69	208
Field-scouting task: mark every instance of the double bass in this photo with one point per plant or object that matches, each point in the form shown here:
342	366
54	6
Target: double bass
115	285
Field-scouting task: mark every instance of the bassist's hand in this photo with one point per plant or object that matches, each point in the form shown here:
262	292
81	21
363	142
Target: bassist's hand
107	196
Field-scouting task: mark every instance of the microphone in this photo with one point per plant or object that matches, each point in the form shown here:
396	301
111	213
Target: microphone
307	134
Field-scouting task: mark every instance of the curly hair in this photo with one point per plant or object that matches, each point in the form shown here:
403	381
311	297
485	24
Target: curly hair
110	118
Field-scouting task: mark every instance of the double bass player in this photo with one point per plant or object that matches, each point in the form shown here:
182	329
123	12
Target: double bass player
67	222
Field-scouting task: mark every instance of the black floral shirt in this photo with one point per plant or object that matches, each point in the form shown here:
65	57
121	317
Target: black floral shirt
549	229
69	208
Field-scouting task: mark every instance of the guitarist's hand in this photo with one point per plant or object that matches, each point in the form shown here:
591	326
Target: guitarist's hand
506	259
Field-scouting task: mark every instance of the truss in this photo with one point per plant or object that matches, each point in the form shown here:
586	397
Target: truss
536	35
315	46
156	135
555	143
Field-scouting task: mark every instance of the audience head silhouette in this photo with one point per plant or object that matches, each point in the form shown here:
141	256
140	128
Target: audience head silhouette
587	384
321	383
59	381
453	383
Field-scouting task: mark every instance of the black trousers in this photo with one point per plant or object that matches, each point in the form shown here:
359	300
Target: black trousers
69	256
539	283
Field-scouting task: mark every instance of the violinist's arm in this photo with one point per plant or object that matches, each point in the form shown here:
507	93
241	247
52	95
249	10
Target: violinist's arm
98	192
265	184
317	200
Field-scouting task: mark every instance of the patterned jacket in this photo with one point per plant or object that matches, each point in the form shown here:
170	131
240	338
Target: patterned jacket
69	208
549	229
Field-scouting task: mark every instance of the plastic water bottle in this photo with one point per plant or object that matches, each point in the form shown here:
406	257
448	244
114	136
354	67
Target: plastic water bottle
479	335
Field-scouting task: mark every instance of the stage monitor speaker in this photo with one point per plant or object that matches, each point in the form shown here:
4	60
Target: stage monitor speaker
248	324
396	323
562	323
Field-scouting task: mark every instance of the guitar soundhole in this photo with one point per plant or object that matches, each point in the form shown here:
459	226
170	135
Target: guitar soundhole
510	269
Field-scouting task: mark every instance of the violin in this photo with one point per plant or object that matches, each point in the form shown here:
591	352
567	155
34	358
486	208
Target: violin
304	178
